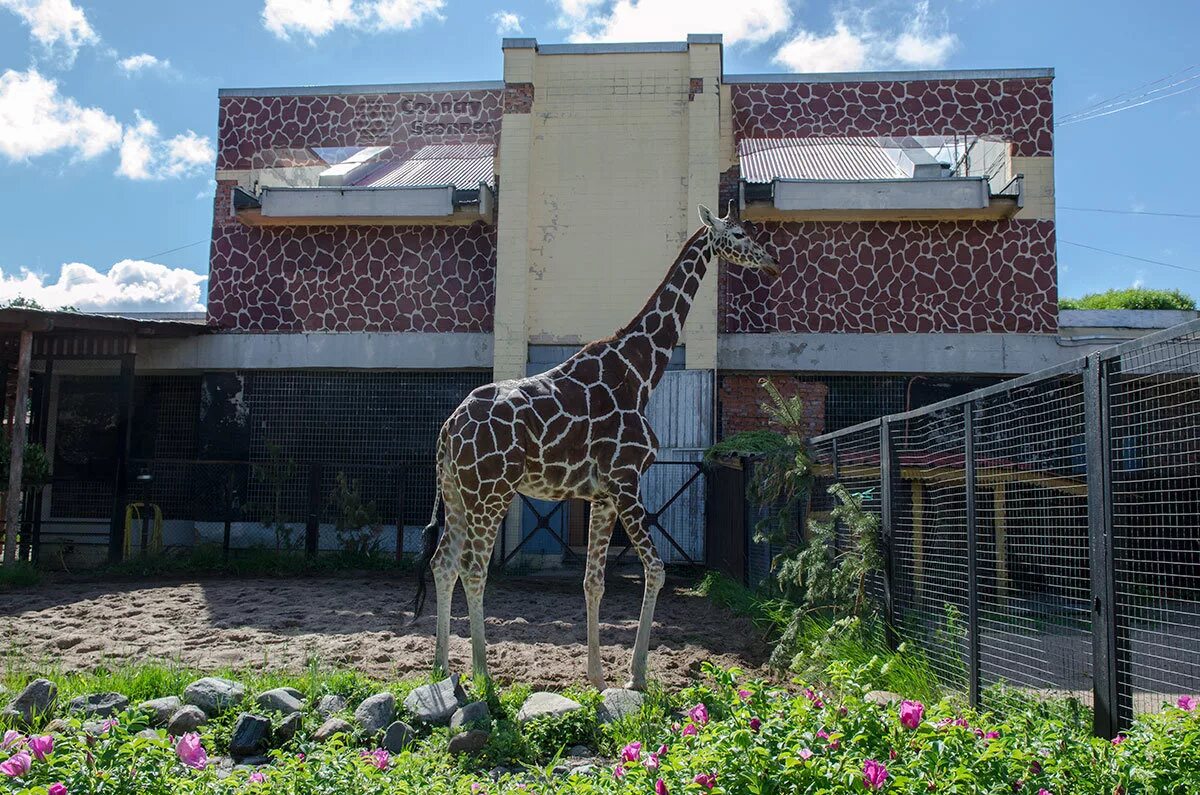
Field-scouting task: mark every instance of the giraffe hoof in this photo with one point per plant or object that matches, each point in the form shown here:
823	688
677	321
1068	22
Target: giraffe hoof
635	684
598	683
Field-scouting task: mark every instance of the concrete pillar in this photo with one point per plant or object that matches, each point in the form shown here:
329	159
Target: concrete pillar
704	158
12	513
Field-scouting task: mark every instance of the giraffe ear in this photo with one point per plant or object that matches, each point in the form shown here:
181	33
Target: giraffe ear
706	217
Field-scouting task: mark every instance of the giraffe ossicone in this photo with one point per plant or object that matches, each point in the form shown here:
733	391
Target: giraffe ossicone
576	431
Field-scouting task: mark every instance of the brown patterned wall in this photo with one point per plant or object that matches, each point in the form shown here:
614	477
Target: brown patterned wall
898	276
1019	110
741	397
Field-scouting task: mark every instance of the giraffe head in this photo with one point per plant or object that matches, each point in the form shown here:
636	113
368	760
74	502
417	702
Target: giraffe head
731	243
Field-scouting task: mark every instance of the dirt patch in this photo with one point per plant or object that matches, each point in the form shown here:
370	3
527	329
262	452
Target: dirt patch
536	627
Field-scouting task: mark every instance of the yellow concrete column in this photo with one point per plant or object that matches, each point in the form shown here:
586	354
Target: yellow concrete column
704	156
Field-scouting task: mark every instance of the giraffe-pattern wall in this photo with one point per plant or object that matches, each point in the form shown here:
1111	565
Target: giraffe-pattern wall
898	276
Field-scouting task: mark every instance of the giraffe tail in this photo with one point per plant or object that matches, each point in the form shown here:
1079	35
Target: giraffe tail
429	544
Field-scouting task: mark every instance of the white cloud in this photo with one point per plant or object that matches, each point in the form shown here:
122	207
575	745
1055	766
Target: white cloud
142	62
130	285
145	155
316	18
867	38
36	120
740	21
54	23
507	22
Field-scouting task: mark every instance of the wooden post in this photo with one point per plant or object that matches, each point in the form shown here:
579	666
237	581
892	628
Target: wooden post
12	513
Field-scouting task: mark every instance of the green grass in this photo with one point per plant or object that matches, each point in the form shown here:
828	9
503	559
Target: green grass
1132	298
18	575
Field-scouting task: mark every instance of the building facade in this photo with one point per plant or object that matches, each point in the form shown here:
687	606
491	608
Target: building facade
379	251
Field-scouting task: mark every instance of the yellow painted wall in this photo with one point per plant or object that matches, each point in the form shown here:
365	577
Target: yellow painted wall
1039	185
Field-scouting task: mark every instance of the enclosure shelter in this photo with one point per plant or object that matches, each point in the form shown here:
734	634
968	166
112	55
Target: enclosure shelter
378	251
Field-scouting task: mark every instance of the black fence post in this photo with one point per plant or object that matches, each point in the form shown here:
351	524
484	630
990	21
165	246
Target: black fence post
972	554
116	524
227	534
313	527
887	501
1105	673
400	521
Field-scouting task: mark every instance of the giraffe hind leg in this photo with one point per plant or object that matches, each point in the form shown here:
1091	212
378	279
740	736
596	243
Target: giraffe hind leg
600	529
633	518
445	566
476	552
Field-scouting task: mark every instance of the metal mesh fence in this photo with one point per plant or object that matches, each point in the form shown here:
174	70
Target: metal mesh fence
1045	532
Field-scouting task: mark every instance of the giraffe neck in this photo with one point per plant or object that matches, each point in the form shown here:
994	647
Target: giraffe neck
660	322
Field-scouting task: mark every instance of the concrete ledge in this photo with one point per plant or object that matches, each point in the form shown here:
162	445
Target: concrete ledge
362	88
433	201
979	354
365	350
863	77
1123	318
941	193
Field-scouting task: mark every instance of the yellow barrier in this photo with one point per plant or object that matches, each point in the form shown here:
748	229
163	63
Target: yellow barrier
134	511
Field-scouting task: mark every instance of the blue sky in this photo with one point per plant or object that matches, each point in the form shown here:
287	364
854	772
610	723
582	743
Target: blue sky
108	109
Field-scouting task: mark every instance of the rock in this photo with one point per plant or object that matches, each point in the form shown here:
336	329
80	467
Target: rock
251	762
288	727
579	751
546	705
186	719
376	713
293	692
618	703
475	715
251	736
436	703
331	727
161	709
582	770
330	704
882	698
398	736
469	742
148	734
213	695
33	703
99	705
281	699
58	726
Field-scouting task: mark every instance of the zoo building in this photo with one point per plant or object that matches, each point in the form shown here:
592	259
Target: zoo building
378	251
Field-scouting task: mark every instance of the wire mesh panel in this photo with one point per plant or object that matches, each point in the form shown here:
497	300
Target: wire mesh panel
929	540
1154	420
1032	525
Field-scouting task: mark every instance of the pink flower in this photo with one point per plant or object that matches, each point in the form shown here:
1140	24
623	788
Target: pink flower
41	746
892	753
477	787
632	752
824	735
911	713
300	756
662	750
744	695
834	744
17	765
843	711
57	788
874	774
699	714
257	777
380	758
805	754
660	788
1186	703
1120	738
1044	791
619	771
755	724
689	730
992	736
706	780
11	737
652	762
814	698
191	752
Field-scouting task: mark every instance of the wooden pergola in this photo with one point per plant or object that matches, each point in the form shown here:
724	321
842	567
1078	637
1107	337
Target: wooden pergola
28	335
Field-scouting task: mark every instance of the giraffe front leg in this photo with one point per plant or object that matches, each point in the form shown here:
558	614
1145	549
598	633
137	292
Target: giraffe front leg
444	577
633	517
600	529
474	579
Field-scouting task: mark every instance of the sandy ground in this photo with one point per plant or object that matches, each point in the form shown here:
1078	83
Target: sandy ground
536	629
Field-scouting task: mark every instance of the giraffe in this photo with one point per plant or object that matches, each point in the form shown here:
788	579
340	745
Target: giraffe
576	431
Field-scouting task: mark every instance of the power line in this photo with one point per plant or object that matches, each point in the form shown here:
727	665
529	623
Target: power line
172	250
1131	256
1128	107
1124	95
1128	212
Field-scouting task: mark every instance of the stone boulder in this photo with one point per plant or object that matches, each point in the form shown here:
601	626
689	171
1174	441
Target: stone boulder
546	705
882	698
331	727
251	736
161	709
619	703
376	713
186	719
214	695
98	705
475	715
33	703
436	703
288	727
329	704
398	736
281	699
469	742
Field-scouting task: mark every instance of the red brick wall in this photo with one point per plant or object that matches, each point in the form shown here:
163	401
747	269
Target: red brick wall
740	398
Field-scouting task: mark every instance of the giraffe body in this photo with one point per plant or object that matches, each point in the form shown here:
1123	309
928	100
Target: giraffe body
576	431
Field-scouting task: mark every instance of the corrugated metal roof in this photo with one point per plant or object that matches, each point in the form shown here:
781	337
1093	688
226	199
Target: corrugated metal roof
763	159
461	165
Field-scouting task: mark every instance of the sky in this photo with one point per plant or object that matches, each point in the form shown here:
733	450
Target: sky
108	110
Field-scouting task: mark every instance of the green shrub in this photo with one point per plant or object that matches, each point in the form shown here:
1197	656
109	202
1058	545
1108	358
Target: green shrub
1131	298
